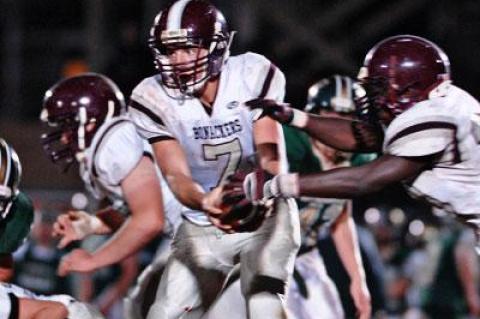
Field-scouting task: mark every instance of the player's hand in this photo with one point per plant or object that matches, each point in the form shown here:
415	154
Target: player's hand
79	260
281	112
249	185
473	302
211	202
74	225
361	298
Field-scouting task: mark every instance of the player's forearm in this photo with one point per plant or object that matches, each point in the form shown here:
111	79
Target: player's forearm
467	268
111	219
334	132
269	158
129	271
346	242
186	191
128	240
335	183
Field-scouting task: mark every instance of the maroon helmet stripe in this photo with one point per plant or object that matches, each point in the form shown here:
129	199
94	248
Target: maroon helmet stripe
268	81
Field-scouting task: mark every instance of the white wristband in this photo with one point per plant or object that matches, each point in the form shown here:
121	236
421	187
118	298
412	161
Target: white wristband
299	119
86	224
283	186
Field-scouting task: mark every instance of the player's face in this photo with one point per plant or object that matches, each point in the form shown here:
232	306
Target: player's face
188	63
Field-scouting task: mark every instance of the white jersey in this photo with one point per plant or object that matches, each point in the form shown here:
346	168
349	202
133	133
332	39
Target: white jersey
447	124
115	151
215	144
76	309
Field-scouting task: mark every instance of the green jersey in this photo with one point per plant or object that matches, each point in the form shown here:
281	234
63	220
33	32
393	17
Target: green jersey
301	158
16	227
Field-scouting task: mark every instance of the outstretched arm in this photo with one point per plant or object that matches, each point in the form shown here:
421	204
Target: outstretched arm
349	182
173	163
342	134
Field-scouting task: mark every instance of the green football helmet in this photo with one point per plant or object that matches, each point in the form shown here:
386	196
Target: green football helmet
10	175
335	93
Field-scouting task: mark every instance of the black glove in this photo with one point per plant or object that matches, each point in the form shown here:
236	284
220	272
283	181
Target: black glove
281	112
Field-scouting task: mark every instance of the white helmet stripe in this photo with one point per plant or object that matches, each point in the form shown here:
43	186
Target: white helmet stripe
338	86
5	163
174	19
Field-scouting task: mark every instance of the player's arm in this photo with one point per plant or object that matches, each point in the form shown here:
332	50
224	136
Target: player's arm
342	134
119	288
141	190
41	309
267	137
346	242
77	224
468	271
174	166
6	267
349	182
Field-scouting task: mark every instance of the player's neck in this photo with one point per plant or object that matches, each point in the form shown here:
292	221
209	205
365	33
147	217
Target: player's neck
209	92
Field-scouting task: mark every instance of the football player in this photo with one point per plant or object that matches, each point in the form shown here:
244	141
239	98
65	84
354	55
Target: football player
312	294
16	217
431	140
192	113
86	112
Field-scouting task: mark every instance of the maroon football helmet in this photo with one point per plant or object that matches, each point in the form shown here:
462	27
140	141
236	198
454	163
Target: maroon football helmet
70	106
401	71
189	24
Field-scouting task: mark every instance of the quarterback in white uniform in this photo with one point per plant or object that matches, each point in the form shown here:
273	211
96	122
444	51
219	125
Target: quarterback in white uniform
432	140
117	164
192	113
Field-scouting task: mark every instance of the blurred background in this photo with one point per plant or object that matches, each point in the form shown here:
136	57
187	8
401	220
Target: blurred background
44	41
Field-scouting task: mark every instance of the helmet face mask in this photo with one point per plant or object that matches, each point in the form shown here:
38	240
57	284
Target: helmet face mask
74	109
10	176
189	25
399	72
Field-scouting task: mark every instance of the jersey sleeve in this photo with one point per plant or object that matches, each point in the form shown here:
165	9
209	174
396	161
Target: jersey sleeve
413	134
144	111
263	79
16	227
118	154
